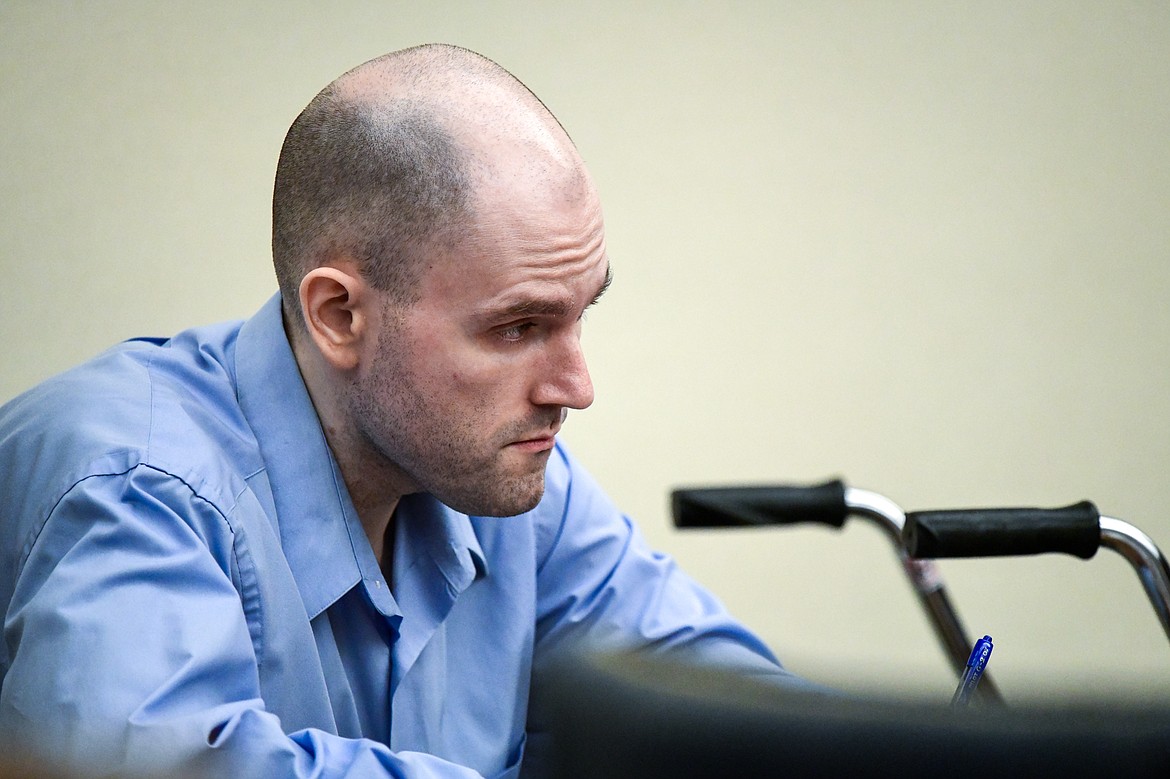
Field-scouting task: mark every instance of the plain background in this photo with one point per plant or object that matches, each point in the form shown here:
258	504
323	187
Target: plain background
922	246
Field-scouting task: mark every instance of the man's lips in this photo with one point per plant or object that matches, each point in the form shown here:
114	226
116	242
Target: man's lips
537	443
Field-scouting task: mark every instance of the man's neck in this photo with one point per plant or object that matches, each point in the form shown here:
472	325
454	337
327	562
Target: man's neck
375	510
375	485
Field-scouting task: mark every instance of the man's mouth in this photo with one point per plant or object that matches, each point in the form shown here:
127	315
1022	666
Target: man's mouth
537	443
542	439
540	436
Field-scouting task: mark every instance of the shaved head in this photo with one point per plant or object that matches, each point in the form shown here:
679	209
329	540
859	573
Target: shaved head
386	166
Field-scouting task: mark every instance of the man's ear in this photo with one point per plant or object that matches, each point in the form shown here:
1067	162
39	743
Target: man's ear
335	302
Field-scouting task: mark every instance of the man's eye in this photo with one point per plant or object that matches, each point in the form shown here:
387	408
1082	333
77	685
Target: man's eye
515	332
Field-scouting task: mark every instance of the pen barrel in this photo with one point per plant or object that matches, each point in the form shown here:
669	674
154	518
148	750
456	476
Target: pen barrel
976	665
1000	532
711	507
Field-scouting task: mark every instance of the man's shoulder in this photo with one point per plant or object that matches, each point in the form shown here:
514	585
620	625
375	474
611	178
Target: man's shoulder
159	402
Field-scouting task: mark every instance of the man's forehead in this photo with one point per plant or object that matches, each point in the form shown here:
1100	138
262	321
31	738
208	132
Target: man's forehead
550	296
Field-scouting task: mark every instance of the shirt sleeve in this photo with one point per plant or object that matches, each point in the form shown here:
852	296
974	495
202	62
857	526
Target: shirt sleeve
600	587
129	650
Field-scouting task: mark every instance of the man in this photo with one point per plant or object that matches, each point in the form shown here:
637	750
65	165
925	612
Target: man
338	538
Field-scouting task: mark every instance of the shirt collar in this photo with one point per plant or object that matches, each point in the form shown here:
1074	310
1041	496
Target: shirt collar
322	537
427	528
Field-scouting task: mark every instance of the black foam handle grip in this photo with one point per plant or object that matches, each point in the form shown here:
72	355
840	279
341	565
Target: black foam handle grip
1074	530
754	506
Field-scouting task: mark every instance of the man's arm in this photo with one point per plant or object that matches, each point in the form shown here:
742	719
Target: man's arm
129	649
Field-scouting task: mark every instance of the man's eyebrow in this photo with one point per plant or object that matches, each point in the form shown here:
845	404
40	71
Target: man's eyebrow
604	285
525	308
552	308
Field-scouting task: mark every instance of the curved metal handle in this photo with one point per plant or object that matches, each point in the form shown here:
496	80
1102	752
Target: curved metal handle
755	506
1000	532
831	503
1078	530
1147	560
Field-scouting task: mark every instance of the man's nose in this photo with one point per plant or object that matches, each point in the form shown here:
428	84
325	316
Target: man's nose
566	379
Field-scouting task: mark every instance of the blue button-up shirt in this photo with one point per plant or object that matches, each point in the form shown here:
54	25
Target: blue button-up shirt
185	582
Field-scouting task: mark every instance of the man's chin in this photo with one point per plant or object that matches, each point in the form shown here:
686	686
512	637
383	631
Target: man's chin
516	505
501	499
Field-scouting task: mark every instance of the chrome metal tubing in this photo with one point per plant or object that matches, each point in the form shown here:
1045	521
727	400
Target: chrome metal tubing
1149	562
926	580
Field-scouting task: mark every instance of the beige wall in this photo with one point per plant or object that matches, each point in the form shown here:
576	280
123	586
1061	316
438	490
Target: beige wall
920	245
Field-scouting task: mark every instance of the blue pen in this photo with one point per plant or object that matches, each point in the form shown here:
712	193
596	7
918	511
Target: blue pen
976	663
